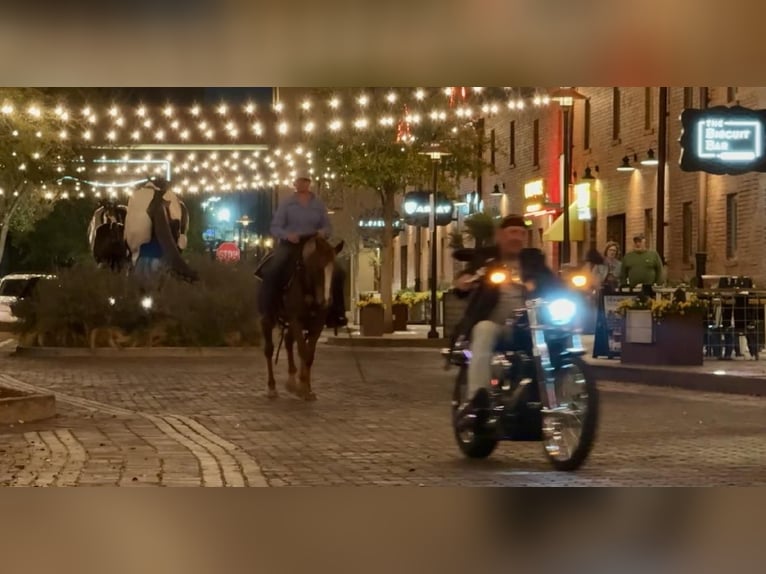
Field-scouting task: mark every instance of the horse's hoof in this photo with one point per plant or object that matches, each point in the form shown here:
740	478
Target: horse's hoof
310	396
273	394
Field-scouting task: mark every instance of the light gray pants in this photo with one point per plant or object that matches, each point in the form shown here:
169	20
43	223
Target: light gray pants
484	337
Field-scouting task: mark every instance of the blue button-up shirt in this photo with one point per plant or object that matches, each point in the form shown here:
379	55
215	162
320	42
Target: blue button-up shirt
293	217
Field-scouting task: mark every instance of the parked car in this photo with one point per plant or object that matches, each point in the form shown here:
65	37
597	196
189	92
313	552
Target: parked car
14	288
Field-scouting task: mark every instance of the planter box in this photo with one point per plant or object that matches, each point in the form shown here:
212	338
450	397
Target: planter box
400	313
16	406
677	340
371	321
417	313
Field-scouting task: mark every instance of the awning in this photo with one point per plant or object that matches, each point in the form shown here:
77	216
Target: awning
576	227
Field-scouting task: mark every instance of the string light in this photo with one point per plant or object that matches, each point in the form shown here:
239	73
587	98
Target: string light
168	125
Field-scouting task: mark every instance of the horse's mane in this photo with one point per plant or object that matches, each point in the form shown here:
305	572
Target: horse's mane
319	250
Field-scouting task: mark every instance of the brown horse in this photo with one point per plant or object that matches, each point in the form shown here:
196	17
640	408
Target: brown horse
304	313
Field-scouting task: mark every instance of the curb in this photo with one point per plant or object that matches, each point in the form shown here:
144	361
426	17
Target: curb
21	407
137	352
414	343
693	381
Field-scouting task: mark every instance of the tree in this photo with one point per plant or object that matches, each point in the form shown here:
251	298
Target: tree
58	239
35	149
382	148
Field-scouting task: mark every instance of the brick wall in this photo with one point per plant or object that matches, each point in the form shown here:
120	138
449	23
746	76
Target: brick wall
633	193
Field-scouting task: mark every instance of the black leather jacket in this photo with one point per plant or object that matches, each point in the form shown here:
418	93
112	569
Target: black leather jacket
484	297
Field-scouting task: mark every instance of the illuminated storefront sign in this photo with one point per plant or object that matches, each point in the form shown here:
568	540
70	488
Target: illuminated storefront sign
583	201
535	202
417	209
723	140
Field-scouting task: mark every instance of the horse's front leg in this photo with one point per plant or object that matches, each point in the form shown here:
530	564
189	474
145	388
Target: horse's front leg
267	327
308	360
292	387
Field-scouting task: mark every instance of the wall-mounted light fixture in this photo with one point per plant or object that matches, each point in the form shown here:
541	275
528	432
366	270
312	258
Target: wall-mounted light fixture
626	164
650	159
589	173
496	189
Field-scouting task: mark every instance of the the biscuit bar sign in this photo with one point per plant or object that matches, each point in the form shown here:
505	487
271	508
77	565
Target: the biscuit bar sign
723	140
729	140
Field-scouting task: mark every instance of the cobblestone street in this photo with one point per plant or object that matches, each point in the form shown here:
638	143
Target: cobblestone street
207	421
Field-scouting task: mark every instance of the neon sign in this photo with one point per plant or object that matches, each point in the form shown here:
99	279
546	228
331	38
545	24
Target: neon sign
723	140
417	209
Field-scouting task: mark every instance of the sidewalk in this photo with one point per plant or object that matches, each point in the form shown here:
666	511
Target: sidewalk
742	377
416	336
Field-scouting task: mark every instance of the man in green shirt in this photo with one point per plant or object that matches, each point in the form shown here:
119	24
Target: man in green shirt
641	266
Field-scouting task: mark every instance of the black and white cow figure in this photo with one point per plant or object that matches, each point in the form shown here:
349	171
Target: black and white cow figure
106	236
155	229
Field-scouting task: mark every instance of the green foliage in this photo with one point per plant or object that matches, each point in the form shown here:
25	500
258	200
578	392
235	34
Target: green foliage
33	155
59	239
87	306
372	158
480	226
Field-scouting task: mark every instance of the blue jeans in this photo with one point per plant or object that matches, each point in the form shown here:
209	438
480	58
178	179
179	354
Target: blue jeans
277	274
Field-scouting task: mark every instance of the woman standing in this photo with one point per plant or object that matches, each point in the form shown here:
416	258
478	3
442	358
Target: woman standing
608	272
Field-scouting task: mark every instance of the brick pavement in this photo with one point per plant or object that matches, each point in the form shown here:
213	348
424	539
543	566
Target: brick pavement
207	421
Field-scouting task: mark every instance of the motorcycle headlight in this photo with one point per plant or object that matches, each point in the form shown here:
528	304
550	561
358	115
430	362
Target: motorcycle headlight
562	311
579	280
498	277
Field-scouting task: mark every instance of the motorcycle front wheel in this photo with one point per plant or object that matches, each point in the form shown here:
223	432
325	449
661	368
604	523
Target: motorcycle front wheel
569	429
473	442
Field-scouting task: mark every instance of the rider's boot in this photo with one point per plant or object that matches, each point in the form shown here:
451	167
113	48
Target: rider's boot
336	315
475	412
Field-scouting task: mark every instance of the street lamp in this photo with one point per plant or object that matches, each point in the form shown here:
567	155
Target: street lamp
435	153
243	221
566	98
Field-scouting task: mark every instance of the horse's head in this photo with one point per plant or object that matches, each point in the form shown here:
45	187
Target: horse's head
318	258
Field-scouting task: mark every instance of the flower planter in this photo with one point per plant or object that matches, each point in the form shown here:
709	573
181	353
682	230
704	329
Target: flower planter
371	321
400	313
417	313
677	340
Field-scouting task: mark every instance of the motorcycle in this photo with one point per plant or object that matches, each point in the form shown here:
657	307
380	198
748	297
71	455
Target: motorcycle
541	389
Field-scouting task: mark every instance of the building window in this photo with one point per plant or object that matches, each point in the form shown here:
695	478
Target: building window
512	144
648	109
731	226
586	126
615	113
648	225
688	98
687	219
731	95
536	143
492	148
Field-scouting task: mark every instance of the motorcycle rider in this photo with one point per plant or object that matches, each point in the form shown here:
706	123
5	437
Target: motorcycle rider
492	305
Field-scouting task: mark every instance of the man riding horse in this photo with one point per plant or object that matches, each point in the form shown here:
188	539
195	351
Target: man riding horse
302	287
298	217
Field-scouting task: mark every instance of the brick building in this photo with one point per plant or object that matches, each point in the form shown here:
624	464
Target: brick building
721	215
724	216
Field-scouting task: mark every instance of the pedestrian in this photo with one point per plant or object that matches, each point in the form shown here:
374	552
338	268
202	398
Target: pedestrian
608	271
642	266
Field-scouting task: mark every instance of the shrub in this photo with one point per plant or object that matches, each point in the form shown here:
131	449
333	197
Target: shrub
87	306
